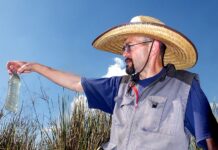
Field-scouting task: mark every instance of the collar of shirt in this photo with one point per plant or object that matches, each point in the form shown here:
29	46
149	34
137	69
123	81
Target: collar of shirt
143	83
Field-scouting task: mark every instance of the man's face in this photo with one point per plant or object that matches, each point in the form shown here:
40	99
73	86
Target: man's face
135	51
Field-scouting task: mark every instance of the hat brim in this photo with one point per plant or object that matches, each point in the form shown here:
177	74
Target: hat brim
180	51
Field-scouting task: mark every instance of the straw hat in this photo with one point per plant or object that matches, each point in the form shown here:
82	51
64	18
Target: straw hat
180	50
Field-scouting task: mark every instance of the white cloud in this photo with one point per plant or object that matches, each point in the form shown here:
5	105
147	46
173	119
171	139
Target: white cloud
49	129
214	104
117	69
79	100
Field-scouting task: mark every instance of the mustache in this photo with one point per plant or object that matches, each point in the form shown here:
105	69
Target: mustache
127	60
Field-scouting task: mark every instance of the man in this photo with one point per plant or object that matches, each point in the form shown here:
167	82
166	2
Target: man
155	107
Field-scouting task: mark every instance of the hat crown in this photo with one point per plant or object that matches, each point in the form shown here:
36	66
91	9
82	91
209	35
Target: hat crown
145	19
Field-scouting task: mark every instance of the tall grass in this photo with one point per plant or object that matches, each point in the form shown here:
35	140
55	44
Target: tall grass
79	129
85	129
76	128
17	133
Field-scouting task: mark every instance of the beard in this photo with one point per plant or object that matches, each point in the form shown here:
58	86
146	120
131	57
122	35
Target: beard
130	69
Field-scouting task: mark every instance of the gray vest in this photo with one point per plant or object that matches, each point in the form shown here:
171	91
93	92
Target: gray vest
158	121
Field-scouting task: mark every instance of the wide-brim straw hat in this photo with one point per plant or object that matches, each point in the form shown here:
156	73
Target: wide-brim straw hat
180	51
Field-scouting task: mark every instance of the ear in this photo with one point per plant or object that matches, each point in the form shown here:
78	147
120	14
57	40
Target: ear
155	48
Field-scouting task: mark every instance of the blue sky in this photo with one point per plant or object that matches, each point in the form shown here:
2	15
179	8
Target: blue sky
59	33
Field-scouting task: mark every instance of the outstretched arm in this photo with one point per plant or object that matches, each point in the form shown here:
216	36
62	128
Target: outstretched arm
64	79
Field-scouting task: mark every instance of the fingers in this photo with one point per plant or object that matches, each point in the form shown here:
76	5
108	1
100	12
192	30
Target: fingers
24	68
16	67
11	66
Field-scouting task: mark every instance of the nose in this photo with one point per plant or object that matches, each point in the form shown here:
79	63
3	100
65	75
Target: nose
125	54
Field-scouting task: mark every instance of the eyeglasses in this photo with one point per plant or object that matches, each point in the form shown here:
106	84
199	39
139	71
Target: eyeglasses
128	47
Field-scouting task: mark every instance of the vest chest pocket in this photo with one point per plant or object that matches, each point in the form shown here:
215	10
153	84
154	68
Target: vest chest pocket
153	108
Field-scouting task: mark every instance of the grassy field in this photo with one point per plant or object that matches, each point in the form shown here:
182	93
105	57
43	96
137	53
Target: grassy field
80	129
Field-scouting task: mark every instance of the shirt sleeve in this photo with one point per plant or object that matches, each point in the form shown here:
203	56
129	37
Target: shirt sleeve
199	119
101	92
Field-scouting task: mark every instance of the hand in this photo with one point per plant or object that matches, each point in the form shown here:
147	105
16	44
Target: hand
19	67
